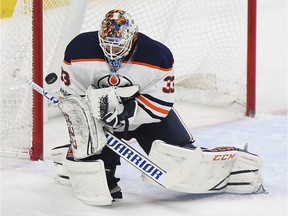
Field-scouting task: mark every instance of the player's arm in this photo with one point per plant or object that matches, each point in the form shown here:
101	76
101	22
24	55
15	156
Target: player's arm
157	99
71	83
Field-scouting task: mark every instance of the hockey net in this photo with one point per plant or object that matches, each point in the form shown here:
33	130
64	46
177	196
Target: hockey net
208	39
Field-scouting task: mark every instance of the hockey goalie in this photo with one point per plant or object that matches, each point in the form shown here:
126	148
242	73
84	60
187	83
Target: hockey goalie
118	81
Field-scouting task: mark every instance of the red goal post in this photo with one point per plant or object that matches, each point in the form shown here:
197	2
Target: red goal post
213	42
251	58
36	150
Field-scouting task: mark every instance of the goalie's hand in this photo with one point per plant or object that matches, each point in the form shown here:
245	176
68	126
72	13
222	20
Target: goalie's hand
116	120
112	119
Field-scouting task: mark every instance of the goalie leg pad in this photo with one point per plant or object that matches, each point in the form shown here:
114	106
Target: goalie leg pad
230	170
176	161
245	175
86	133
108	99
89	182
58	155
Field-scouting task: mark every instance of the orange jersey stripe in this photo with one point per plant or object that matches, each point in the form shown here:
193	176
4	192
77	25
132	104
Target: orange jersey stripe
88	60
152	106
84	60
67	63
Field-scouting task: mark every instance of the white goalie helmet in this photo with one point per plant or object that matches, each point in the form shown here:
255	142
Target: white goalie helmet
117	33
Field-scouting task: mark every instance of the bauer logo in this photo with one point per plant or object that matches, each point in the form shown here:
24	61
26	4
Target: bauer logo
133	157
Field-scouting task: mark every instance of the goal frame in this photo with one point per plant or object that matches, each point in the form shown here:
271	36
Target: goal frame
36	151
251	58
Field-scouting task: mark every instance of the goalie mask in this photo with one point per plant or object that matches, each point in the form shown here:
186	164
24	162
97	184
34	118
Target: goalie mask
116	35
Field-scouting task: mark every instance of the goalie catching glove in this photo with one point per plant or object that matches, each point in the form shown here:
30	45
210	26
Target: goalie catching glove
107	105
116	120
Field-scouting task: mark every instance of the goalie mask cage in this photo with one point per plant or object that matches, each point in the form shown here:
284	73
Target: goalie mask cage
213	43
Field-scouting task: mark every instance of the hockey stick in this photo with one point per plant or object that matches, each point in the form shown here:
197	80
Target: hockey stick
132	156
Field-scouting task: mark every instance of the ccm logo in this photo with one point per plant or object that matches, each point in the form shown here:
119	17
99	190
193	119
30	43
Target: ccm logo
224	157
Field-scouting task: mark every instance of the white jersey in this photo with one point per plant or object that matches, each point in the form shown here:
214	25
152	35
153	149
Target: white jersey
149	65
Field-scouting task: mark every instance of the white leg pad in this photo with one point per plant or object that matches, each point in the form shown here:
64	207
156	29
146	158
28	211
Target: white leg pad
245	176
206	175
58	155
226	171
176	161
219	171
89	182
